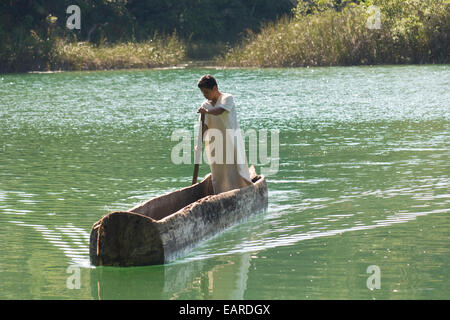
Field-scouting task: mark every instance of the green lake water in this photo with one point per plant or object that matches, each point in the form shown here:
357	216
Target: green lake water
362	180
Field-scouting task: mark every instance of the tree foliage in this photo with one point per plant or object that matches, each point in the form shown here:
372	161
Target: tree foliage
29	29
119	20
413	30
326	32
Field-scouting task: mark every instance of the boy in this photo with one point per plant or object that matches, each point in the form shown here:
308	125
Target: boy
228	165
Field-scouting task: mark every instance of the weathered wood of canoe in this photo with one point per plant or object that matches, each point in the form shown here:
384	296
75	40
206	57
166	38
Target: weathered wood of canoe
124	238
165	228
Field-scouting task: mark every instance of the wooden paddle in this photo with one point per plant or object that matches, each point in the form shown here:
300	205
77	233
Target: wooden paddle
198	149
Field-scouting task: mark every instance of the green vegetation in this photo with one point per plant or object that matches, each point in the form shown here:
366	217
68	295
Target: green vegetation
156	33
57	54
85	56
124	33
325	32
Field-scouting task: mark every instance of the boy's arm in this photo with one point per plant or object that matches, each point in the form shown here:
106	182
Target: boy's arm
214	111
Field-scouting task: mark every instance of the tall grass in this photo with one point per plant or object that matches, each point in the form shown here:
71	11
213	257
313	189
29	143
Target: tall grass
29	52
158	52
412	31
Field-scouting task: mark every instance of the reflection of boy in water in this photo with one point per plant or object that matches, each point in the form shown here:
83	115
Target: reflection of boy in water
229	171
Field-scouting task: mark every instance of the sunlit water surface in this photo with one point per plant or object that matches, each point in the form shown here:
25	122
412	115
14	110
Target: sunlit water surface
362	180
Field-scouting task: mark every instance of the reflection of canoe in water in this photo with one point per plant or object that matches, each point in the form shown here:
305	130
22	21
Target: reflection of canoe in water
164	228
209	279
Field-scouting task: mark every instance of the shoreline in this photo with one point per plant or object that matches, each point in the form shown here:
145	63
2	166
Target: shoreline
200	65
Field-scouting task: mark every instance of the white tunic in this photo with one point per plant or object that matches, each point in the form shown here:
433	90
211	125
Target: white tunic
225	147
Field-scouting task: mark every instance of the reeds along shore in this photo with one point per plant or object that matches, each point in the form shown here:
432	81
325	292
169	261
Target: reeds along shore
394	32
35	54
319	34
149	54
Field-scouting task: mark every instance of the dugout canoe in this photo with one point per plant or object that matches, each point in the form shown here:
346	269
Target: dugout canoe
165	228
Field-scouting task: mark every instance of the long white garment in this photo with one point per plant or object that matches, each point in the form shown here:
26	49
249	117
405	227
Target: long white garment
225	147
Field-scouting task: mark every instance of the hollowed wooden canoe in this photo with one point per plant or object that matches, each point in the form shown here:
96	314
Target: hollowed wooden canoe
167	227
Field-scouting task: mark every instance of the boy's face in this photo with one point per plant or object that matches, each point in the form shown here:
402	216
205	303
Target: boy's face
208	93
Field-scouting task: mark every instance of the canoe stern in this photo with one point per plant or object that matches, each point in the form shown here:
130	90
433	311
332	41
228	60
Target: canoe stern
125	239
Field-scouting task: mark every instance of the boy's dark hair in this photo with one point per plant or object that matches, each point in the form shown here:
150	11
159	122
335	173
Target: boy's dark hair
207	81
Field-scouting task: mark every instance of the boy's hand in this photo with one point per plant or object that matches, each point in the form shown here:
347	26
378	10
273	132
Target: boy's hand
202	110
213	111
